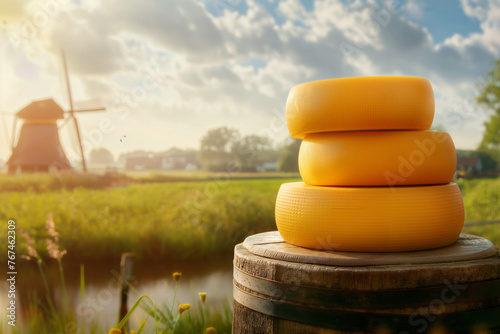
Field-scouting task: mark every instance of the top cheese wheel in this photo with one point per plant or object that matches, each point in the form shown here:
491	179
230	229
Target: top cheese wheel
357	104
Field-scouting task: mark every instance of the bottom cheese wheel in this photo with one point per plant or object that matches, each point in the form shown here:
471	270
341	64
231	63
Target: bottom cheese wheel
369	219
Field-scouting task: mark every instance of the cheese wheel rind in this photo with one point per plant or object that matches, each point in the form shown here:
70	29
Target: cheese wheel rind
369	219
360	103
377	158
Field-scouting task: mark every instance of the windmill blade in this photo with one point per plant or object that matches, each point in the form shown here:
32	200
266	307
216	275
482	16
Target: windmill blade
5	129
68	86
69	140
13	140
72	112
89	110
64	122
67	131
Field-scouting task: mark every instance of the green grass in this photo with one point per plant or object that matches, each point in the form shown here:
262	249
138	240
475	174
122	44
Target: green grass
182	219
482	203
481	199
40	183
182	176
52	182
185	220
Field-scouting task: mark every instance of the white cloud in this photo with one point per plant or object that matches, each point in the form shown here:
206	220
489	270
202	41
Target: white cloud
488	12
208	63
292	9
414	8
476	8
89	48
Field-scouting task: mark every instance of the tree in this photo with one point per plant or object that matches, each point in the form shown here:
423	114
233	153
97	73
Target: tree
223	149
489	97
288	160
216	146
488	163
101	156
251	151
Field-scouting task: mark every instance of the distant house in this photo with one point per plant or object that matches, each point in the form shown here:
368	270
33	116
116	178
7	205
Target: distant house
173	159
143	163
476	163
469	164
267	167
173	162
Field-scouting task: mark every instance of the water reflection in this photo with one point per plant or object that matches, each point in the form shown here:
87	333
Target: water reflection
212	275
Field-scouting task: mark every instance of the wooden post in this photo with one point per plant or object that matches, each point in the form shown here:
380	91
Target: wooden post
126	275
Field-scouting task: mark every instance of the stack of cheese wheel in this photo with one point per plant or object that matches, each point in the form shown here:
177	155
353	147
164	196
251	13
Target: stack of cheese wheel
375	179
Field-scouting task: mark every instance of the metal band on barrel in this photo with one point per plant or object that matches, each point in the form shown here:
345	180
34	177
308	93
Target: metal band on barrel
481	319
330	308
359	299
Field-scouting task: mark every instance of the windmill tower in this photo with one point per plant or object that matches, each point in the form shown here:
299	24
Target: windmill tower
39	148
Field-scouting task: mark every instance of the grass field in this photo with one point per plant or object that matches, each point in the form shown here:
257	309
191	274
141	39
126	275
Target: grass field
181	219
158	220
184	219
482	203
69	181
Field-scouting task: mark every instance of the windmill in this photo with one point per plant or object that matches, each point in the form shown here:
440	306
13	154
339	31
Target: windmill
38	148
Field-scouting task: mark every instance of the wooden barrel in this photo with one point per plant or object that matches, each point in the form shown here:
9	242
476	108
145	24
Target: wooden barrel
280	288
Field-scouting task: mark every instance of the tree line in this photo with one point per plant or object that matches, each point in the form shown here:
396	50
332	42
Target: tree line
489	97
225	149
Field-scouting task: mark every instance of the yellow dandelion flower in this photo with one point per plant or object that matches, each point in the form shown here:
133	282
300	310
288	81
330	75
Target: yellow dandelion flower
132	332
177	276
203	296
115	331
183	307
211	330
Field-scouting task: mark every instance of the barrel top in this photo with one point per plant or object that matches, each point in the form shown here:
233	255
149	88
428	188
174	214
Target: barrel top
271	245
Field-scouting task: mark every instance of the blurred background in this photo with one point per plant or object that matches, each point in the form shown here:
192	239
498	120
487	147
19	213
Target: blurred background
158	128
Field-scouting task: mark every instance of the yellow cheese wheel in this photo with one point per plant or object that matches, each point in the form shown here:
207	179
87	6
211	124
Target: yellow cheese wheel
356	104
377	158
369	219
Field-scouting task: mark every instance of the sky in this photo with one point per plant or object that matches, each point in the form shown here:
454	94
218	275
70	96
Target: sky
170	70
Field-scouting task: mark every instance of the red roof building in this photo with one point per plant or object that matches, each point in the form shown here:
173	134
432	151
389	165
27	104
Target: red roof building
39	148
469	164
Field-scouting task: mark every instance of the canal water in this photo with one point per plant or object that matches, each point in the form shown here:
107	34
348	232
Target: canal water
102	292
